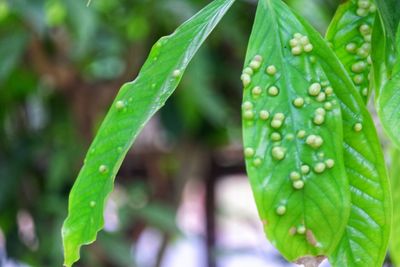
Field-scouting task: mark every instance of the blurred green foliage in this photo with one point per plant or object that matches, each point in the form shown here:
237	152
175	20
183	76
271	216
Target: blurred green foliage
61	64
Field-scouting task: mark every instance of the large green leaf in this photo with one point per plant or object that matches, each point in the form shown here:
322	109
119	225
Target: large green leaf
350	34
292	127
395	236
365	240
135	104
388	101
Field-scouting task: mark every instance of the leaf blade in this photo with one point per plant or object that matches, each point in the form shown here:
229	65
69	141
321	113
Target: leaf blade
365	166
136	102
297	208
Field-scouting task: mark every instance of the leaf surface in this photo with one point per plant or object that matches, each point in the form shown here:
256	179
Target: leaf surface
350	34
136	102
292	127
365	239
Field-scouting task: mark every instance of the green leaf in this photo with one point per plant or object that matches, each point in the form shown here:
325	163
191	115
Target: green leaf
395	236
388	102
292	127
350	34
136	102
365	240
390	15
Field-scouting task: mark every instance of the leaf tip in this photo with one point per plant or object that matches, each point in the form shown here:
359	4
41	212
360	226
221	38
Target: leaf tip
71	249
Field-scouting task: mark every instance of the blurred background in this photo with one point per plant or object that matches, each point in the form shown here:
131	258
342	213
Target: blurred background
181	196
